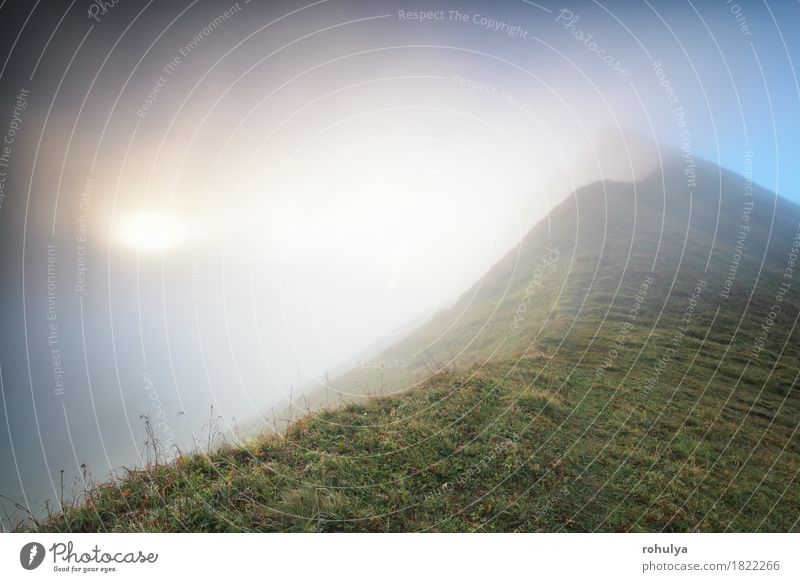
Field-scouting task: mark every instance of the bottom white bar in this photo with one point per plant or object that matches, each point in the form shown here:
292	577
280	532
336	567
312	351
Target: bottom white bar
406	557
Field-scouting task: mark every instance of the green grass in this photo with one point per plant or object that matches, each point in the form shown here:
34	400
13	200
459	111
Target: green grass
512	446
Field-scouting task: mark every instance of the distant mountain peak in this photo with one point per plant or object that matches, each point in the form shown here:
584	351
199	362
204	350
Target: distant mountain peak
619	155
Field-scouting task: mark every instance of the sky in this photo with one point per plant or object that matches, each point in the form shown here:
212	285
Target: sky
206	205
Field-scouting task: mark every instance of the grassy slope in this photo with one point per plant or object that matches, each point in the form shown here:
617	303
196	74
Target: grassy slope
549	433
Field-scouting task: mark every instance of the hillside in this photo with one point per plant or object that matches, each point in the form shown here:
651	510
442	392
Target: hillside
631	365
607	239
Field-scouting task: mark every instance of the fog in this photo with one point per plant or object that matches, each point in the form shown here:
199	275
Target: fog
209	206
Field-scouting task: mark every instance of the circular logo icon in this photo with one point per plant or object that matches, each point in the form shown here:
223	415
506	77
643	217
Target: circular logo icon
31	555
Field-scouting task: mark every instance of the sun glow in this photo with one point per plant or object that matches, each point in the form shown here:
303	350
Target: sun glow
152	232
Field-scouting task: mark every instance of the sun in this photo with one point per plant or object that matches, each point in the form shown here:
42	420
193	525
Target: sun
152	232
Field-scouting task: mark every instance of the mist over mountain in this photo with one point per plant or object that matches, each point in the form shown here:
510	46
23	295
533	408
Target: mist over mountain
398	266
630	366
571	280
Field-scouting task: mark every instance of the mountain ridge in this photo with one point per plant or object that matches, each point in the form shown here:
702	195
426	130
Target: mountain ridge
504	275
